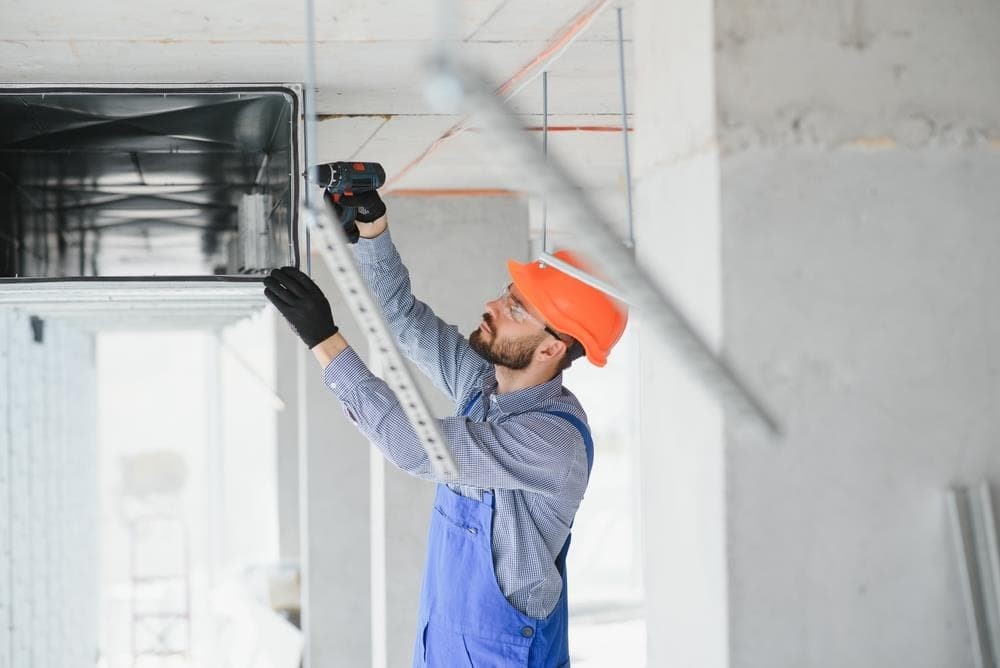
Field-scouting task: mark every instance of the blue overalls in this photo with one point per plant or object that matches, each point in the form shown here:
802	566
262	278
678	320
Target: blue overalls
464	618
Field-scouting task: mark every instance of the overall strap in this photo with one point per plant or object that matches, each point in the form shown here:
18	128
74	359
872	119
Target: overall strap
471	402
588	442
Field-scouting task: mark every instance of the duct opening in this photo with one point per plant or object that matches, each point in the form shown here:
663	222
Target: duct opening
148	182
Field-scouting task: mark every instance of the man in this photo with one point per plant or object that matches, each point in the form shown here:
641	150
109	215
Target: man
494	590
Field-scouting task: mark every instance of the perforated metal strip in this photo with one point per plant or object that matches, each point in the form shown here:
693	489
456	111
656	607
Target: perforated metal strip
328	238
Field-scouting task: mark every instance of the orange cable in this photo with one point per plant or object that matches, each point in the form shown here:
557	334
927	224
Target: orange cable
560	41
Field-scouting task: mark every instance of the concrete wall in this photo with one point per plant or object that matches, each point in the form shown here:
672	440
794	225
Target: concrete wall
858	292
48	496
854	235
859	207
368	520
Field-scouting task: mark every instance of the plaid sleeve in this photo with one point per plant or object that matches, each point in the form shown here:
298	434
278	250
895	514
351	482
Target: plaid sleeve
532	451
436	347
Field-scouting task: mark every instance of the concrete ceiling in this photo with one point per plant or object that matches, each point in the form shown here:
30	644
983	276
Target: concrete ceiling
370	69
371	75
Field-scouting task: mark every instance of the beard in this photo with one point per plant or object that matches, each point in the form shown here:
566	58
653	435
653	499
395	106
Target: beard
515	354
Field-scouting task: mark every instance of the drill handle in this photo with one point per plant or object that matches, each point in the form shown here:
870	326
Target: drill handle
347	214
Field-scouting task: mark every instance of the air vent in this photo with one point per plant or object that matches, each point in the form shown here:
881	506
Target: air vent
130	186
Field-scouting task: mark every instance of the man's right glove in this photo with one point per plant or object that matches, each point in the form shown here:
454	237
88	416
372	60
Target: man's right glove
366	207
302	303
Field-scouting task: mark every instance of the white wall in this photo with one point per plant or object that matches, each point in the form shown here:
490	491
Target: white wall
48	479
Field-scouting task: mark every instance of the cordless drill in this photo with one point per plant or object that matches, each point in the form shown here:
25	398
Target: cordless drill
348	178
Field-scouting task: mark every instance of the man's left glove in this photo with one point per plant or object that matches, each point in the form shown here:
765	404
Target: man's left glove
302	303
366	207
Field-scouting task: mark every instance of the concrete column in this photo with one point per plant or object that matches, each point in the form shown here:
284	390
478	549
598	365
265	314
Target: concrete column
339	553
677	240
49	508
6	480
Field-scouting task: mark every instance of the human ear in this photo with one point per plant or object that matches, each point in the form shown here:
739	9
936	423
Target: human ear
554	349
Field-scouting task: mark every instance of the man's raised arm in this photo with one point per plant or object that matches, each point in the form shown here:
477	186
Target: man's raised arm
436	347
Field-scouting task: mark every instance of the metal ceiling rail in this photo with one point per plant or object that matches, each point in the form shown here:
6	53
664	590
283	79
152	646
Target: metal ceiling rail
593	236
974	536
332	245
628	167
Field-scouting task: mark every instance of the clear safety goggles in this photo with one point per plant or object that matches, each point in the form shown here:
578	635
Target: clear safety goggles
515	311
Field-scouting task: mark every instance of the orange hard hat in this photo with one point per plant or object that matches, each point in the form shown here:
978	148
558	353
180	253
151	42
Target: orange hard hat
571	306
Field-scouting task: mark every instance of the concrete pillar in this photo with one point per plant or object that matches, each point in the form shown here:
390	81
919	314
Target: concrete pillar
847	261
368	520
338	532
48	480
677	240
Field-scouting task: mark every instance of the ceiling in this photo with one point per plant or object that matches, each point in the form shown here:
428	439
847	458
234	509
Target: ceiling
371	74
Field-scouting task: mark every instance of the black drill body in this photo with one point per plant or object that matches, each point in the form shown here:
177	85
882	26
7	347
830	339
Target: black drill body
349	178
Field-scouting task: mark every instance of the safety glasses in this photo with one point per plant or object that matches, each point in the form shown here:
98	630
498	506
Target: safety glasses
515	311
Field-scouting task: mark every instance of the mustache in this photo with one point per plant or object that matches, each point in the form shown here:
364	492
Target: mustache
488	319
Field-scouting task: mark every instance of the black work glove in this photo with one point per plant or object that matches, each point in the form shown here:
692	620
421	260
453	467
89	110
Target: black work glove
366	207
300	300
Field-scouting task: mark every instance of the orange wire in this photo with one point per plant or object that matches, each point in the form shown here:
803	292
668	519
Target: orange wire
561	39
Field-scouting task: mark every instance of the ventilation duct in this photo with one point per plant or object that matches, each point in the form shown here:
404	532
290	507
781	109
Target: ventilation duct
147	205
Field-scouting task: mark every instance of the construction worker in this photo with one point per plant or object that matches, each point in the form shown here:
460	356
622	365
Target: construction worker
494	589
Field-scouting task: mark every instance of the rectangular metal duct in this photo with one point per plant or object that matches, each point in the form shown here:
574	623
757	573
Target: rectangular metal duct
152	192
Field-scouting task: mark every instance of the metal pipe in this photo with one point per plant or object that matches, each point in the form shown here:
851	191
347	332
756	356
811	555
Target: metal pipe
545	152
988	560
309	101
958	514
628	169
309	109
